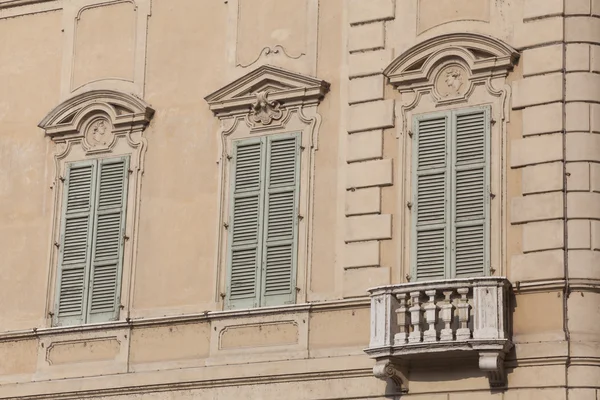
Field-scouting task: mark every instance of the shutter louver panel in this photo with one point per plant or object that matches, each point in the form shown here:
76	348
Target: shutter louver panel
281	210
245	235
470	194
74	251
108	240
431	198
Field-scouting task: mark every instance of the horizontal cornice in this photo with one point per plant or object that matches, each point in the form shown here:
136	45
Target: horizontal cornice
206	316
16	3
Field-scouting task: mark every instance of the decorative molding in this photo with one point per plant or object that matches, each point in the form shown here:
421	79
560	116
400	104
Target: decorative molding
265	111
284	87
465	57
17	3
124	112
268	51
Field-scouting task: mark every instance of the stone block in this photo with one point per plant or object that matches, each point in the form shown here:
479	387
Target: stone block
546	118
583	146
361	11
368	63
578	117
368	227
596	8
534	90
542	178
365	146
583	86
578	177
595	177
584	264
583	205
546	235
363	201
361	254
366	37
537	207
595	234
595	117
542	8
578	57
369	173
358	281
540	265
583	394
577	7
582	29
579	234
595	58
535	394
539	31
536	150
372	115
541	60
368	88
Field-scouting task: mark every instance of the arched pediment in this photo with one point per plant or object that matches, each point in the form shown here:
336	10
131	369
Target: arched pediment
124	111
479	53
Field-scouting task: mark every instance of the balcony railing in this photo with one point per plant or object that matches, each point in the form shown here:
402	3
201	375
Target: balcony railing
450	316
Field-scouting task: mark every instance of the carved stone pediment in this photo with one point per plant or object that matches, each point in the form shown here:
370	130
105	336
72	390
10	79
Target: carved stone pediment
473	56
99	113
262	91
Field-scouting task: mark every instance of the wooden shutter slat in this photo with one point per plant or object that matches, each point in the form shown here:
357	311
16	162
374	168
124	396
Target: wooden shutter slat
245	229
470	192
108	239
74	254
278	286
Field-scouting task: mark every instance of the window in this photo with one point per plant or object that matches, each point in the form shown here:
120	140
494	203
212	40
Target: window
262	238
451	154
91	241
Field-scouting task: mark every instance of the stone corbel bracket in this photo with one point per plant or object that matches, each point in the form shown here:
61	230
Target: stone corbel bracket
386	369
264	91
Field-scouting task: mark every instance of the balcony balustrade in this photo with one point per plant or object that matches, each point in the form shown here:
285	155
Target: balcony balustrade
454	317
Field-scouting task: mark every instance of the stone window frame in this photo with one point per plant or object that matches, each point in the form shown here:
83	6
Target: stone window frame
268	101
482	64
69	127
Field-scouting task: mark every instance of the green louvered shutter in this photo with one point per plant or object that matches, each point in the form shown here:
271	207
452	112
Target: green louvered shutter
471	193
75	244
108	238
281	216
431	178
245	236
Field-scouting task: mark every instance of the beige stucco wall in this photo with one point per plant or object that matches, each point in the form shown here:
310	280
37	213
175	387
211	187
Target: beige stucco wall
172	339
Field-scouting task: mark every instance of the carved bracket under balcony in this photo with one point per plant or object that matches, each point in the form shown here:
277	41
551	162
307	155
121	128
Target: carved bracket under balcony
454	317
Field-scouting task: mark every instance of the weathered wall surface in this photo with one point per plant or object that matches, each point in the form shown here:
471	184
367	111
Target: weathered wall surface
173	339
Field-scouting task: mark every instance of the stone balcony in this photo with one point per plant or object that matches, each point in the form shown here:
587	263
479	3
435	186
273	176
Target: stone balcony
448	318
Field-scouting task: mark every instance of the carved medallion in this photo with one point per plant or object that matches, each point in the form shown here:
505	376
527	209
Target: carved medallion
99	134
265	111
452	82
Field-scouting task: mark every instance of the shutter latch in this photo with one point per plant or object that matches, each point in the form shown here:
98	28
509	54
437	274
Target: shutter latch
409	204
410	134
226	225
300	217
492	195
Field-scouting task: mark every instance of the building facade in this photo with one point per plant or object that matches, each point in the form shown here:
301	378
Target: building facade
300	199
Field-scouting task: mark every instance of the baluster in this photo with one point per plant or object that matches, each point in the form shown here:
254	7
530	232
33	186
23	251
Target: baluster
403	320
431	310
463	332
446	314
415	318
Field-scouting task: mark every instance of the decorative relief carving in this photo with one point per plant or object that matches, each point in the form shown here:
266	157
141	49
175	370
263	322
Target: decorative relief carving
271	52
99	134
265	111
452	81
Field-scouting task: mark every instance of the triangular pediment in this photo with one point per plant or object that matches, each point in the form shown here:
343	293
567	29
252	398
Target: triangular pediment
280	84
